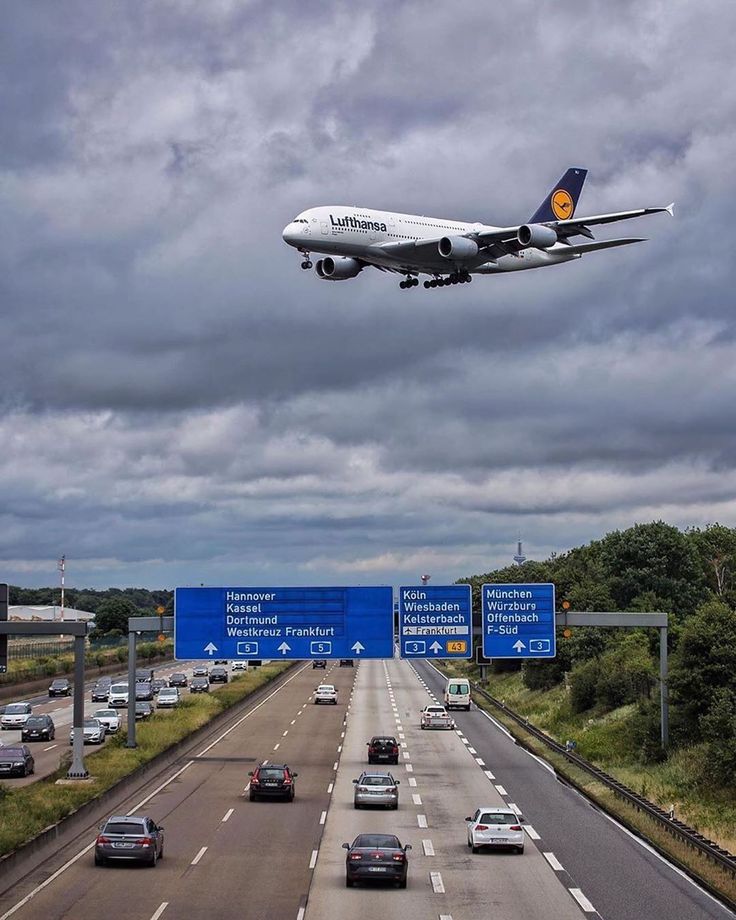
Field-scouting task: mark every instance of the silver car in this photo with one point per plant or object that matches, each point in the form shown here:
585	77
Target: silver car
130	837
373	788
435	717
109	718
168	697
495	827
15	715
93	730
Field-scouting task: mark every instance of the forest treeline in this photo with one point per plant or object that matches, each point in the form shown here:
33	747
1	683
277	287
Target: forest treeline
691	575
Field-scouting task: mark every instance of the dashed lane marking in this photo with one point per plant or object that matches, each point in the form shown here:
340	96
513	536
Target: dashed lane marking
416	798
582	900
334	766
228	813
480	761
51	747
533	835
472	750
409	769
554	862
428	847
313	859
501	791
199	856
489	774
277	746
437	884
412	781
159	910
323	817
422	820
330	787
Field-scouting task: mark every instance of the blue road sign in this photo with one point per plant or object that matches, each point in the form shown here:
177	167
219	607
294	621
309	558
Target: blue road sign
287	623
518	621
436	622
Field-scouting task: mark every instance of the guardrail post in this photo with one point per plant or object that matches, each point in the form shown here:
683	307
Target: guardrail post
663	690
132	637
78	769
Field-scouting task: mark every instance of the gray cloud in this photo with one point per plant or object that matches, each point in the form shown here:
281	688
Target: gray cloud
180	403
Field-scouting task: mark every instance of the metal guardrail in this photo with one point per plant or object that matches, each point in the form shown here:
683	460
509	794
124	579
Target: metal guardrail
676	828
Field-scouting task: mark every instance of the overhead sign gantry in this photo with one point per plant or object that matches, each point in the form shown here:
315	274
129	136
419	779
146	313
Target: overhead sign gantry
436	621
518	621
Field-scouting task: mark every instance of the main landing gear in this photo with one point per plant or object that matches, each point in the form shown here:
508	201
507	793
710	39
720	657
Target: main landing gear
454	278
307	263
410	282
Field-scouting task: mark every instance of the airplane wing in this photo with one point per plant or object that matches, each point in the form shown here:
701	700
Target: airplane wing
580	248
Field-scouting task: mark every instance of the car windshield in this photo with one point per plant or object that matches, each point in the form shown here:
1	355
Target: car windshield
119	688
36	720
325	687
16	708
378	841
91	723
105	713
177	676
458	688
59	683
435	710
11	752
123	827
498	817
383	741
376	781
271	773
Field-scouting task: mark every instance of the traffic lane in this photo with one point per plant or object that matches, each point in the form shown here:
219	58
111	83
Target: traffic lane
269	843
222	763
439	783
616	872
48	755
451	785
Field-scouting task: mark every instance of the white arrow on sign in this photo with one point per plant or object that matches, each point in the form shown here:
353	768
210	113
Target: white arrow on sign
210	648
358	648
518	645
284	648
435	646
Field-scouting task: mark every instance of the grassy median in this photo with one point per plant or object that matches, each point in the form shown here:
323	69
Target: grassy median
26	811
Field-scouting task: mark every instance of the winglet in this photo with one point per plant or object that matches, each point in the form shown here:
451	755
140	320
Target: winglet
670	209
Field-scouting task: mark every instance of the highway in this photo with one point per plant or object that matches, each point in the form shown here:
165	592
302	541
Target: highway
227	857
47	754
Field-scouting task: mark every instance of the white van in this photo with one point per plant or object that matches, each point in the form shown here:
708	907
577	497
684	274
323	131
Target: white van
118	696
457	693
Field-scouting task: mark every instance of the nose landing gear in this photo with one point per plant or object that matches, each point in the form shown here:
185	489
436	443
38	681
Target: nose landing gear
307	263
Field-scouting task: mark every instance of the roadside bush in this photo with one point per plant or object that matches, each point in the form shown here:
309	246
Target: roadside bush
541	675
645	732
719	730
583	684
122	653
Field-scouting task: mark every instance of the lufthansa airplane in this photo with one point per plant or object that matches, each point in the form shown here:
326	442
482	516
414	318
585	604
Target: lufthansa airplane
450	251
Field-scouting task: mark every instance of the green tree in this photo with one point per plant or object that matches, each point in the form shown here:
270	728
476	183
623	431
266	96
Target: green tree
719	729
114	614
703	664
716	549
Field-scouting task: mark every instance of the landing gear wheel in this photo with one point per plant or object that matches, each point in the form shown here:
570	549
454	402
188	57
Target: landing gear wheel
402	285
306	264
428	284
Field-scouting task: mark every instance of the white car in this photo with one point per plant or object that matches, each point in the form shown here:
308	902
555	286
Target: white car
240	665
325	693
15	715
93	731
168	697
495	827
109	718
435	717
118	695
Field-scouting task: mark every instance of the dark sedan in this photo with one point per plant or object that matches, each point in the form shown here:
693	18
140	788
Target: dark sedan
129	837
144	690
38	728
60	687
218	674
143	709
383	749
376	857
199	685
16	760
178	679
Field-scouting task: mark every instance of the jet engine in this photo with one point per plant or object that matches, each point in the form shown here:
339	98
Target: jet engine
457	247
537	235
338	269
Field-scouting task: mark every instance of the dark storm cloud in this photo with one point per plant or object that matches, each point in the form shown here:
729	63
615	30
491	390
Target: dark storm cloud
181	403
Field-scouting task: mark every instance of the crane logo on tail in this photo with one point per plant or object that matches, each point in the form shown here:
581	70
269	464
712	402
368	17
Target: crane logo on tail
562	205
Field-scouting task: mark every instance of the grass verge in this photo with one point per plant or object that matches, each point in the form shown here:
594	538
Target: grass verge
27	811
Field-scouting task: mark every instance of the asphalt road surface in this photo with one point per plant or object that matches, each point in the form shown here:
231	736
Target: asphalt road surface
227	857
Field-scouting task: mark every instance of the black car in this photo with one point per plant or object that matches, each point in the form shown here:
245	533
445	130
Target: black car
383	749
16	760
347	663
38	728
219	674
178	680
60	687
143	709
144	690
376	858
101	690
158	684
144	675
319	663
130	837
272	780
200	670
199	685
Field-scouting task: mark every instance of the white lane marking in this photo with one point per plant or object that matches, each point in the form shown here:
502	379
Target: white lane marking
428	847
339	748
465	741
247	788
406	755
228	813
334	766
285	733
422	820
437	884
533	835
412	781
409	769
402	736
489	774
445	916
458	732
480	761
51	747
160	910
277	746
342	734
554	862
582	900
313	859
416	798
330	788
472	750
293	722
300	914
199	856
501	791
323	817
514	807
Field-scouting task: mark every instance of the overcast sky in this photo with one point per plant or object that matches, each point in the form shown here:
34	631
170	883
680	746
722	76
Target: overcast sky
180	403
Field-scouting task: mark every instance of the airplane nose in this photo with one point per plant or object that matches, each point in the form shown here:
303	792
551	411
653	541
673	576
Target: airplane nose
289	234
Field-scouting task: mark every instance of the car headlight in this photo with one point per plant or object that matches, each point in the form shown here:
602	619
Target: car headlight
18	763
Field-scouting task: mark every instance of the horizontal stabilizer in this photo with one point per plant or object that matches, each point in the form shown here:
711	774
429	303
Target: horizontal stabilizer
580	248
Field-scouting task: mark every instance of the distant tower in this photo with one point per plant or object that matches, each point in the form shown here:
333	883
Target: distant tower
519	558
